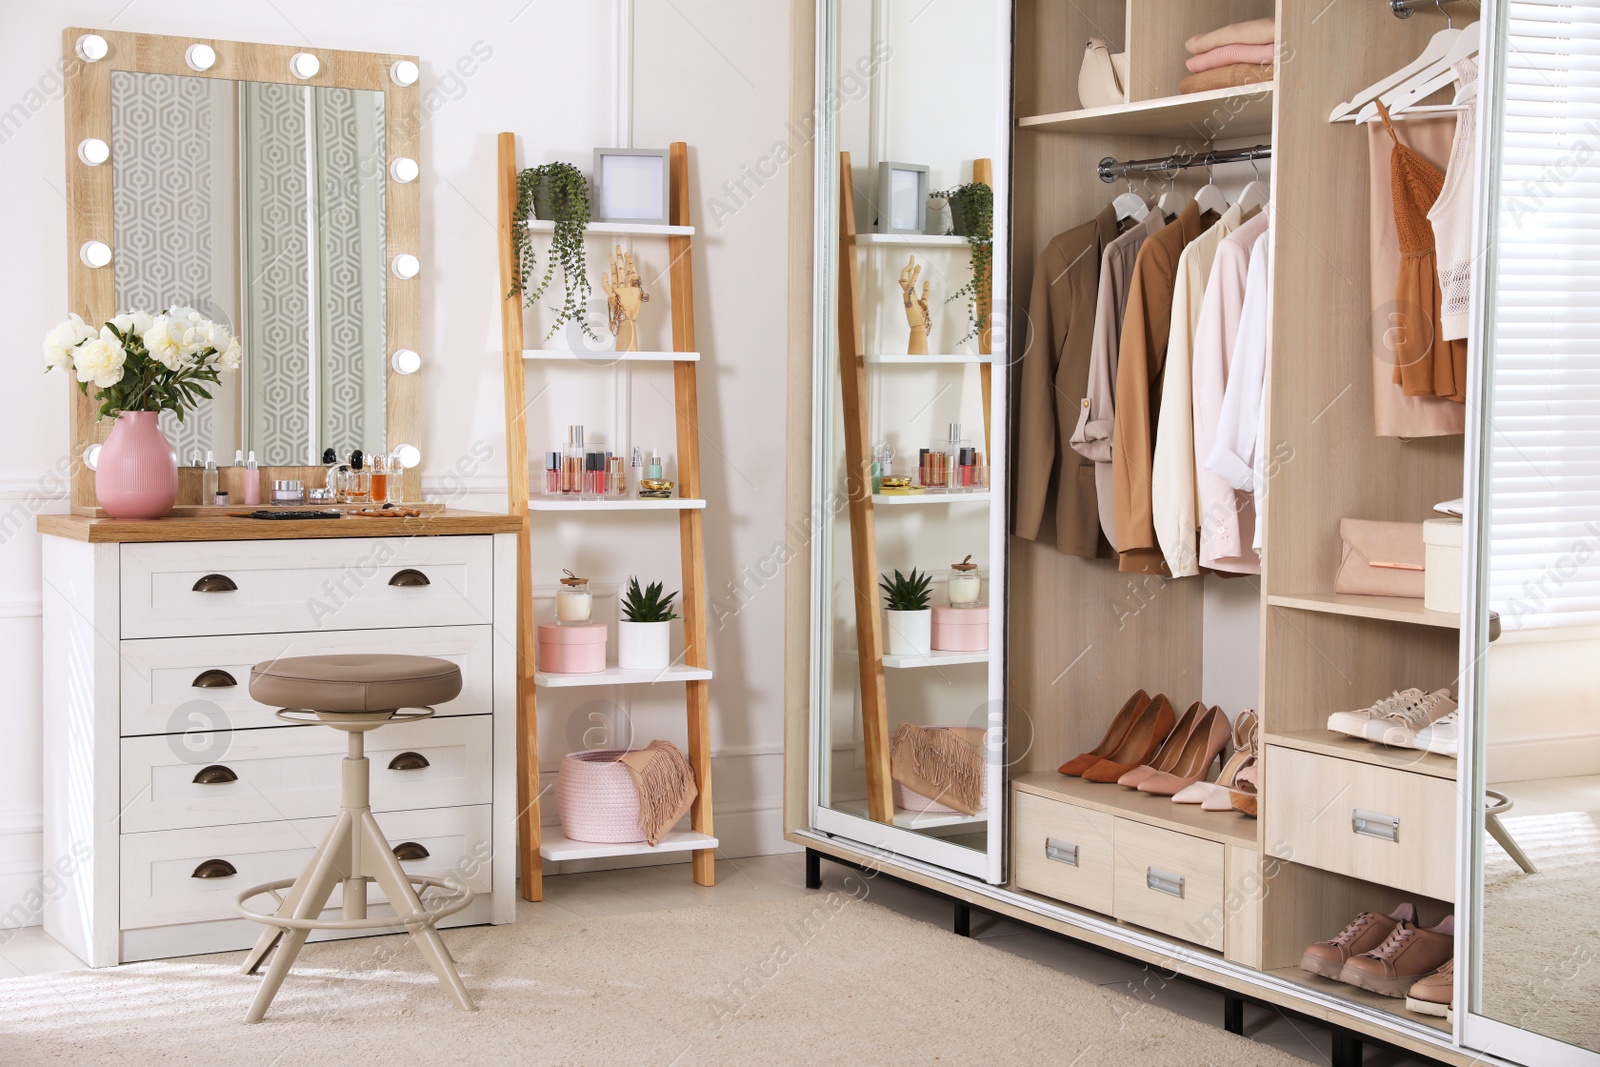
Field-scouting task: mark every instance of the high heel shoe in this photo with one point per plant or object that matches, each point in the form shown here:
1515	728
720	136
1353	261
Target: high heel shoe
1200	751
1244	795
1117	733
1171	744
1211	794
1153	728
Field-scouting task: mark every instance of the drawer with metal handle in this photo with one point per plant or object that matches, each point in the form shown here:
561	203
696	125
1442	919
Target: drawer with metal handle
1170	882
250	776
1061	851
187	876
194	685
177	589
1388	825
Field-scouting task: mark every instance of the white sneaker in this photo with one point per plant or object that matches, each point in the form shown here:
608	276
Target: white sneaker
1399	728
1442	738
1355	723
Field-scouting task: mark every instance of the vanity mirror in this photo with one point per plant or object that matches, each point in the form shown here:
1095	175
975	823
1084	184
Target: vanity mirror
275	191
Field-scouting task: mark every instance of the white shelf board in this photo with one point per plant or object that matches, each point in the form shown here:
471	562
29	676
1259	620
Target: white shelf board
1236	111
619	229
959	357
936	659
618	676
555	845
914	820
913	240
626	503
608	358
896	500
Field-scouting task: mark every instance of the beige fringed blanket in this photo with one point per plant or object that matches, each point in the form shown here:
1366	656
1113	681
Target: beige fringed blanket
944	763
665	782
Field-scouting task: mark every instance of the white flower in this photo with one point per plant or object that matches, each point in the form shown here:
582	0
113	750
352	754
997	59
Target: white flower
164	341
59	342
100	360
231	356
136	322
207	336
187	315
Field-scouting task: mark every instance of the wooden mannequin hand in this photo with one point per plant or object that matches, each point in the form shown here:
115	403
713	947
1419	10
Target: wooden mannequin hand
916	307
625	296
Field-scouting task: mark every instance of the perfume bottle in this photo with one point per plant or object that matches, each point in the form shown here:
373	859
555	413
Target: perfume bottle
208	480
382	468
572	463
358	482
251	490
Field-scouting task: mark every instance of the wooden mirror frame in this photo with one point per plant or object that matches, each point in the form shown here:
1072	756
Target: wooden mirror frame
91	292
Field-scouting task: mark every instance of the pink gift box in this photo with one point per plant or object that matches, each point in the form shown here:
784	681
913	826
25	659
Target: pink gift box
960	629
572	649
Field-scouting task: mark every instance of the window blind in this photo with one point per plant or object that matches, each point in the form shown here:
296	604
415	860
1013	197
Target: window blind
1544	532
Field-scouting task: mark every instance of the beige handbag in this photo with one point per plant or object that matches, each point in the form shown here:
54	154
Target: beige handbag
1103	79
1380	558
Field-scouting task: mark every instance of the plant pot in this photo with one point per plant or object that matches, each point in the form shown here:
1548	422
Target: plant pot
963	223
542	208
644	646
910	633
136	476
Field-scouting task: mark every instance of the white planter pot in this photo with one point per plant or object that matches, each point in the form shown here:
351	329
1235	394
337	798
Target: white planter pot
644	646
910	633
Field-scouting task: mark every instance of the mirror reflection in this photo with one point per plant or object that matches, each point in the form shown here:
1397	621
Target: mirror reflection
262	207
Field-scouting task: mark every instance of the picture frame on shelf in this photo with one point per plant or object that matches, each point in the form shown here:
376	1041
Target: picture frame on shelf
902	201
631	186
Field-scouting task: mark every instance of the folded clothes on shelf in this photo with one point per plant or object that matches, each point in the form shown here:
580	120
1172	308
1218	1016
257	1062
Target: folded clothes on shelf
1234	74
1230	53
1254	31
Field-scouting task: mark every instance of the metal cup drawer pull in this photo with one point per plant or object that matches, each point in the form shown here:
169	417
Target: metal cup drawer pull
214	679
408	761
215	583
1164	881
408	578
215	869
1375	824
216	774
1061	851
410	850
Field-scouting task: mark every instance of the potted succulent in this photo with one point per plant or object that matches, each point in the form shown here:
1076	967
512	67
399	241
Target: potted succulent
644	634
141	365
972	217
559	193
910	620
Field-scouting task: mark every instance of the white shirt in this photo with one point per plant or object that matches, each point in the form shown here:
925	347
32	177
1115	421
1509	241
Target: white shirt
1233	452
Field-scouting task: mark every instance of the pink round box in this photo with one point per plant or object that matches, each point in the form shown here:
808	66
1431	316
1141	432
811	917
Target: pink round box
572	649
960	629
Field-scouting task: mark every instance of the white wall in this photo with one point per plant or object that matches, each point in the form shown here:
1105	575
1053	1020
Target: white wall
566	78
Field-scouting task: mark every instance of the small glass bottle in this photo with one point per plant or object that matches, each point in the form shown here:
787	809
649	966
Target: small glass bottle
380	465
572	463
616	479
358	483
208	480
574	602
635	470
252	483
963	587
552	473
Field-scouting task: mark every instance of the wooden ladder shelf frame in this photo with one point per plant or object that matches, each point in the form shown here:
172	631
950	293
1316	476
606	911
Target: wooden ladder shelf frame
680	248
858	486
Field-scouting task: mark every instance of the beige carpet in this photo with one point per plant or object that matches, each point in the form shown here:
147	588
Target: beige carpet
821	979
1541	932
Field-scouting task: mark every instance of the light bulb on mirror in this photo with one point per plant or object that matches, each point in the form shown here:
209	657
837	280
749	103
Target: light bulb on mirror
404	170
405	361
304	65
91	48
403	72
91	457
406	265
95	254
200	57
93	151
408	456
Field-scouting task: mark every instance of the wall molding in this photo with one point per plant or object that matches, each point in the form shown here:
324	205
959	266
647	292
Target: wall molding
21	608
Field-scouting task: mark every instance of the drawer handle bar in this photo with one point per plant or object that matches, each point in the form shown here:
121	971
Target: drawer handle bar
215	869
1164	882
216	774
215	583
408	761
1060	851
1375	824
410	850
409	577
214	679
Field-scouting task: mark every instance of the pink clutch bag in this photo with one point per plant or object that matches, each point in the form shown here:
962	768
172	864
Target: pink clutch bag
1380	558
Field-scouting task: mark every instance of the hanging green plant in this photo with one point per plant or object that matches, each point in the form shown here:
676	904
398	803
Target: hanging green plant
557	192
972	217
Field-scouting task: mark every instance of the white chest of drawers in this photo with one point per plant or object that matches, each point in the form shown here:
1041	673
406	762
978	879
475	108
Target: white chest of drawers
168	790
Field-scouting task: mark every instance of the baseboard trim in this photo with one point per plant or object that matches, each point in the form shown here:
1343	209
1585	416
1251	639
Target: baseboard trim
1556	756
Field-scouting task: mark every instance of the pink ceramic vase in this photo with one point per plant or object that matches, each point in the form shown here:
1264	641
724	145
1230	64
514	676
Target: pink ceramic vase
137	475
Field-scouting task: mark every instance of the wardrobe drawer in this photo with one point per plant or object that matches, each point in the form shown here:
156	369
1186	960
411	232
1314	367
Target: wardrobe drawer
179	589
294	773
199	685
1393	827
159	886
1062	851
1170	882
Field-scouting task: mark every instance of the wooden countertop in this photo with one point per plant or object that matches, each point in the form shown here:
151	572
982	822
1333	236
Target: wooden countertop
228	528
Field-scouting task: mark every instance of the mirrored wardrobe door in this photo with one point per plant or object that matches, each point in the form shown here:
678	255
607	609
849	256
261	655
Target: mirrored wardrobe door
913	154
1532	782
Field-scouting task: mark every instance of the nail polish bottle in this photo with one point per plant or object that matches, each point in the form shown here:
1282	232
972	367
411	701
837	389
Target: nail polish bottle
552	473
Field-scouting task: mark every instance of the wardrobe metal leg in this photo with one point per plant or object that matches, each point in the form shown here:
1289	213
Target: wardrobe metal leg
1346	1049
963	923
813	869
1232	1013
1497	830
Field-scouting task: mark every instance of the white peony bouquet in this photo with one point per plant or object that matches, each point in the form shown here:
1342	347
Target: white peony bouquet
144	362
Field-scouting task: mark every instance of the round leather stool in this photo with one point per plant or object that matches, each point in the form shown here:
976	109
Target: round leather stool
354	694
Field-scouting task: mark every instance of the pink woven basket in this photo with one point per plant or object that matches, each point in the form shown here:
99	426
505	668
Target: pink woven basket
910	800
596	797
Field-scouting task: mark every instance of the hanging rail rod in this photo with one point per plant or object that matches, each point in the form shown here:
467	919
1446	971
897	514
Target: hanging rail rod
1404	9
1110	170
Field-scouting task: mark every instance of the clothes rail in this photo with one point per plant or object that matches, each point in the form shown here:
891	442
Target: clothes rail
1404	9
1110	170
